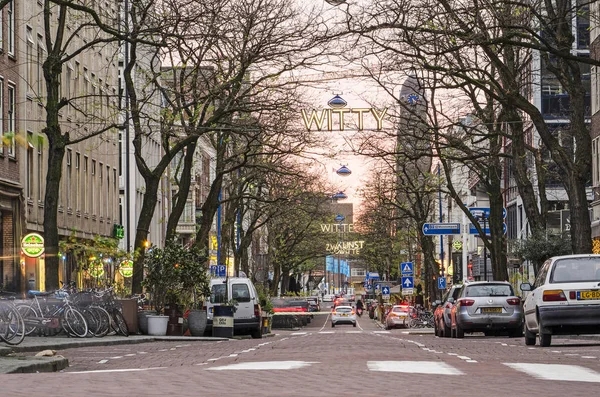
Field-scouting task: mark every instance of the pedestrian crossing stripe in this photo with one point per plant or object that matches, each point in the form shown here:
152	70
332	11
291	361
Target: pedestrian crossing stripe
573	373
414	367
264	365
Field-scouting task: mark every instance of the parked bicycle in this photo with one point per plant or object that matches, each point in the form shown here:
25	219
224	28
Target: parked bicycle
12	326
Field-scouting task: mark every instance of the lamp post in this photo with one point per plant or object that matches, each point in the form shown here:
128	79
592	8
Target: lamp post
484	219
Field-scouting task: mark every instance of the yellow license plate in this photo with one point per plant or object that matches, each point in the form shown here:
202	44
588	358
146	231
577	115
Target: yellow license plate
344	314
583	295
491	310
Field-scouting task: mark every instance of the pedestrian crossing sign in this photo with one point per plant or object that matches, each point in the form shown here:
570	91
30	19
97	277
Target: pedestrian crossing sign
406	267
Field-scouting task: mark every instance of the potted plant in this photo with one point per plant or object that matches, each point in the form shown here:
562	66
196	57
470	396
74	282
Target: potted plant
194	288
162	279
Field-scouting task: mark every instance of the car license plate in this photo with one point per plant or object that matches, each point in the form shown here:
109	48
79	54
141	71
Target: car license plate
583	295
491	310
344	315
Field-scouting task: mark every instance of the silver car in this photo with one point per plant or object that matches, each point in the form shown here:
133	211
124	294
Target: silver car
398	317
487	306
343	315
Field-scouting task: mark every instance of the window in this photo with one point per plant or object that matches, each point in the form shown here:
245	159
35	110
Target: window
86	82
217	294
240	292
11	27
92	196
101	190
29	60
85	184
30	156
12	119
110	195
40	61
1	31
77	181
40	169
120	153
358	272
69	177
67	92
115	192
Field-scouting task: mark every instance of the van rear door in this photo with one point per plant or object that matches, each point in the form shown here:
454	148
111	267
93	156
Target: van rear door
240	292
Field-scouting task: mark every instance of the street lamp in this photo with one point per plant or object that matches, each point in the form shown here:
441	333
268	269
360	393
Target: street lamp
343	171
335	2
484	219
339	196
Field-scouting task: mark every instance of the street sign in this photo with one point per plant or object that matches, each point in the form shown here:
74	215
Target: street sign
441	282
407	291
222	271
377	287
365	284
484	212
213	270
408	282
385	291
430	229
457	245
406	267
473	229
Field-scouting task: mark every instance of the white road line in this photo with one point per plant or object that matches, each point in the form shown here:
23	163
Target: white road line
101	371
471	361
264	365
130	355
298	333
284	338
233	355
588	356
102	361
326	320
571	354
381	332
116	357
214	359
142	352
464	357
452	354
162	350
354	332
556	351
327	332
574	373
414	367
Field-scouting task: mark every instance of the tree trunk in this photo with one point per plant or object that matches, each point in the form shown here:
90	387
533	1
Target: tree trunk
56	153
182	193
142	231
431	267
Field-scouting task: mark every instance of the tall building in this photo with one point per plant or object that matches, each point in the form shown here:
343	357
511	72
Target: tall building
88	200
11	186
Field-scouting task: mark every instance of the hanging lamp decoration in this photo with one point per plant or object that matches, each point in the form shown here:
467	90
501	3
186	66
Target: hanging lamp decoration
343	171
335	2
339	196
339	218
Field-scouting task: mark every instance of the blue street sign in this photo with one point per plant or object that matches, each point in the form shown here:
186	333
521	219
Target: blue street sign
408	282
484	212
441	282
406	268
366	284
430	229
222	271
473	230
385	290
377	287
213	270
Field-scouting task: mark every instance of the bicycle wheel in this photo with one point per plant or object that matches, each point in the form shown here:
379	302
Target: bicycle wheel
92	318
74	323
103	321
30	316
119	324
15	324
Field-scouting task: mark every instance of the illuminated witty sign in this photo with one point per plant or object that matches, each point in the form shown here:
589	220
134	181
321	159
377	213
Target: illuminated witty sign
32	245
337	227
345	247
338	114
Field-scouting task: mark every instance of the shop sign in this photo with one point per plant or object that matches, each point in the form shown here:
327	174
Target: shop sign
32	245
96	268
126	268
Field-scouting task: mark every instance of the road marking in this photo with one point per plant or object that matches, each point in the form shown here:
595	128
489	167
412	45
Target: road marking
114	358
284	339
588	356
264	365
214	359
471	361
142	352
571	354
464	357
130	355
574	373
102	361
556	351
354	332
100	371
298	333
452	354
233	355
414	367
327	332
381	332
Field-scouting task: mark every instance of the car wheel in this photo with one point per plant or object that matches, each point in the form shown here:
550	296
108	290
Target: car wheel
354	325
447	330
545	338
436	329
460	332
529	337
332	325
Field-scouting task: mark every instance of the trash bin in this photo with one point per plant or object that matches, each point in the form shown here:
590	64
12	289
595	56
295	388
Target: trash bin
129	310
222	321
265	325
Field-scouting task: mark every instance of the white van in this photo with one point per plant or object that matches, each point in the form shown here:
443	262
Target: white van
246	318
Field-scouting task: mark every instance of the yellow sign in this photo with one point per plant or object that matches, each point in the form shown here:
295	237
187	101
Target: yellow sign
126	269
33	245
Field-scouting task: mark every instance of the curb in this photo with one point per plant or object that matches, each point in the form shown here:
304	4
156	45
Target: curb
28	365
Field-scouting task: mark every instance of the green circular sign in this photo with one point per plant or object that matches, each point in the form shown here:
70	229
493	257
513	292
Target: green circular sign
96	269
126	268
32	245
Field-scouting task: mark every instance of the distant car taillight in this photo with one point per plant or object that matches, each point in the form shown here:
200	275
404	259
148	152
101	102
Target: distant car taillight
554	295
256	310
466	302
513	301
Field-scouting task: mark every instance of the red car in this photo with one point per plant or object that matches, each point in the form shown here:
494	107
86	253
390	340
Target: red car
441	315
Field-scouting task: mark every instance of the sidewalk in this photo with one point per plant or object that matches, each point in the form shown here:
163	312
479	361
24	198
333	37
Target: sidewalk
9	363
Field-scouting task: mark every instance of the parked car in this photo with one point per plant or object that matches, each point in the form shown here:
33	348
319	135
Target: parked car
328	298
564	300
313	304
441	314
397	317
487	306
343	315
247	316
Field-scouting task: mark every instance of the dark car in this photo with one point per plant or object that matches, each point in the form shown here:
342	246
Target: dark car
441	315
313	305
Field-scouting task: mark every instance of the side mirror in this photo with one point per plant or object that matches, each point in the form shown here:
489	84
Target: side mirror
526	287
